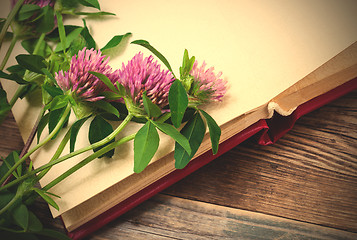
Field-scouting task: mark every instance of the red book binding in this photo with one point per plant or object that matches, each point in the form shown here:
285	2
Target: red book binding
267	132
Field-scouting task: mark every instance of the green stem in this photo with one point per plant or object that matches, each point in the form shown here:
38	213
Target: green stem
33	132
44	141
38	44
88	160
57	153
20	88
8	52
164	117
9	204
29	141
35	51
9	19
59	160
17	94
75	153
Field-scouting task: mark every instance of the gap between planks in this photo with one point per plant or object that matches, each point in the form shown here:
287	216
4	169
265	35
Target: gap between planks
169	217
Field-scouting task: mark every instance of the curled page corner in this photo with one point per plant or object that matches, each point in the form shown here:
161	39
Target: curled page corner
275	107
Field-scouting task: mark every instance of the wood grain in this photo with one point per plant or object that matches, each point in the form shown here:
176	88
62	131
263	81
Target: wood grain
10	138
308	175
164	217
307	180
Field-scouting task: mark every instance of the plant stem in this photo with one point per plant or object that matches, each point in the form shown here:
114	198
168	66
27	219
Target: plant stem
9	204
28	142
20	88
8	52
38	44
59	160
164	117
44	141
9	19
75	153
33	133
88	160
57	153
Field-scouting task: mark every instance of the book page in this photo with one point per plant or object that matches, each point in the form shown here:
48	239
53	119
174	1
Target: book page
262	48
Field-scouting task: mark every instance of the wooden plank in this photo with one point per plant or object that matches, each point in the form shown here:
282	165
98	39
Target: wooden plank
310	175
10	138
166	217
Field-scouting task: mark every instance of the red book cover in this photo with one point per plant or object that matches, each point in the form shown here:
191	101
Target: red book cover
267	132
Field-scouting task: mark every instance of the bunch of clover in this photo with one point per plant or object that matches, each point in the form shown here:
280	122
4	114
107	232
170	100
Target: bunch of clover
72	75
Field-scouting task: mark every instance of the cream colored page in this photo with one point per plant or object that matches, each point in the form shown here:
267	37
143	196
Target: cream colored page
262	48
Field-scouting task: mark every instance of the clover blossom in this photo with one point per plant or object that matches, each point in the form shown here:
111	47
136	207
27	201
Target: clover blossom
82	84
206	85
40	3
143	74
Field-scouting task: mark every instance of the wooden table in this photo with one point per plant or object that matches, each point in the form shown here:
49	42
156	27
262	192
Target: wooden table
302	187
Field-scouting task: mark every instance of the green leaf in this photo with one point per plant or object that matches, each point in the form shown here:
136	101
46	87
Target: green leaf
29	46
115	41
77	44
16	69
16	158
147	45
54	118
69	39
98	130
46	23
121	88
87	36
69	4
105	80
8	35
94	13
111	96
187	64
214	131
5	197
146	143
35	224
27	11
9	165
107	107
21	216
47	198
13	77
74	132
178	102
8	162
194	131
90	3
175	134
61	31
52	90
41	125
33	63
4	105
50	76
151	109
59	102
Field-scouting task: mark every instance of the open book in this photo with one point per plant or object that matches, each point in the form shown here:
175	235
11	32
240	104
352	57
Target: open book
275	55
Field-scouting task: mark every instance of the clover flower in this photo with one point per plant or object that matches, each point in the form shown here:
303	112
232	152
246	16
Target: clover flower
82	84
206	86
40	3
143	74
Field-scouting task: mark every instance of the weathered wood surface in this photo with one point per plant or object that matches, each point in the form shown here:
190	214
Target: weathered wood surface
309	175
302	187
